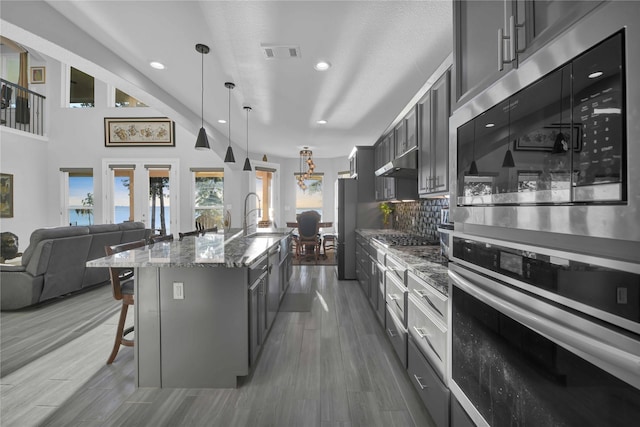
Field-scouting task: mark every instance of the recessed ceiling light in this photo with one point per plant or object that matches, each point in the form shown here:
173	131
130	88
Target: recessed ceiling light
222	121
321	122
595	75
322	66
157	65
489	125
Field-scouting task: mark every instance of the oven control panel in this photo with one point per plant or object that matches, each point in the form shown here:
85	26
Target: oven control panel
570	279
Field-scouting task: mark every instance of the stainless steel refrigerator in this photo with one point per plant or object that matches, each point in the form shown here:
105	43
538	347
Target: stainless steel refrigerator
346	193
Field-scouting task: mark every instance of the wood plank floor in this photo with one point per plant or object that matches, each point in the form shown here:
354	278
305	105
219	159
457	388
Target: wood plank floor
331	366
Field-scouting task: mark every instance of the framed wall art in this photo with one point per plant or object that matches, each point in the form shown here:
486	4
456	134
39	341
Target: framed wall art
544	138
38	75
6	195
139	132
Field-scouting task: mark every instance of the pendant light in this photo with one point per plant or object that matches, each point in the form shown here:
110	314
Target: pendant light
202	143
508	161
229	157
473	170
247	163
560	145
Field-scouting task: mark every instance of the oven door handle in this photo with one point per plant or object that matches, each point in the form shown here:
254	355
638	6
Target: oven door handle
606	348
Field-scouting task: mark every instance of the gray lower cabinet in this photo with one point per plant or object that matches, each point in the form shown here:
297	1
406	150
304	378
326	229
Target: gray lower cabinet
432	391
397	335
257	317
459	417
273	295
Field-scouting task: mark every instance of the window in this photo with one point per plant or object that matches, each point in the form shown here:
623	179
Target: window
78	196
81	89
264	187
310	199
125	100
159	198
208	197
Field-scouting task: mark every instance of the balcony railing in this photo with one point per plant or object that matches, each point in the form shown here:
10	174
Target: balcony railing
22	109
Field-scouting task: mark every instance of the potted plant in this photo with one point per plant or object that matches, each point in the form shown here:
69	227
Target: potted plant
387	210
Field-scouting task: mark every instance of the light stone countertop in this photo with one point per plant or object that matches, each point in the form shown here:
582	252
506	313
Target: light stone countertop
224	249
424	261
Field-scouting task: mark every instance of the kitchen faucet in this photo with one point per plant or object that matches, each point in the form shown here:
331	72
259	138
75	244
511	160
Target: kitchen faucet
245	213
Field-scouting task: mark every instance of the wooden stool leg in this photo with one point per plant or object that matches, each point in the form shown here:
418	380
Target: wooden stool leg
119	333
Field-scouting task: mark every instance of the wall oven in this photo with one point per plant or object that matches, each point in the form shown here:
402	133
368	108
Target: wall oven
552	146
543	337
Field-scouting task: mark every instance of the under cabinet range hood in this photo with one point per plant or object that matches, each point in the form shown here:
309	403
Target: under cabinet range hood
405	166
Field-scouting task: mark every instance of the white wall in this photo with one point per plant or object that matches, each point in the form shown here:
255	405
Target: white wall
75	138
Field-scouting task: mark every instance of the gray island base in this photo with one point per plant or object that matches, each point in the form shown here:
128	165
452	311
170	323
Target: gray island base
192	305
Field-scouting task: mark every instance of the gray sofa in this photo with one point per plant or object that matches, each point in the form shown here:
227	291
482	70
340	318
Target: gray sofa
54	262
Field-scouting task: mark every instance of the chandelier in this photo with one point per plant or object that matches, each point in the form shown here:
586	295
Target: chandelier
306	167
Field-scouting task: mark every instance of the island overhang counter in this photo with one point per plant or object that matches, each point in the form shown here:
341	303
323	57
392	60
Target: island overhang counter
192	310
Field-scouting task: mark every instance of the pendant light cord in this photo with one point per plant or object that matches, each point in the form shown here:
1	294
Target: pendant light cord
247	132
202	90
229	122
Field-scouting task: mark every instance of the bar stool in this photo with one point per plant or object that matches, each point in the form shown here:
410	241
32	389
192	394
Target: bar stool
328	243
122	287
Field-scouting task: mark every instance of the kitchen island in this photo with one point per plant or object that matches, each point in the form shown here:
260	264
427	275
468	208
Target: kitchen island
193	318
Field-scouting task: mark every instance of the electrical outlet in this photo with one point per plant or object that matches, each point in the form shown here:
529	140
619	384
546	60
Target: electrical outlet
178	290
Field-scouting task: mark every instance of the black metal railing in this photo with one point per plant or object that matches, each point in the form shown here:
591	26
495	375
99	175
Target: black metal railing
22	108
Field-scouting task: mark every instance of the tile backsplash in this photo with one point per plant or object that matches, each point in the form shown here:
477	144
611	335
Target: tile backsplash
420	217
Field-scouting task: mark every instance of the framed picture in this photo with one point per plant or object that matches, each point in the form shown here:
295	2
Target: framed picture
38	75
137	132
544	138
6	195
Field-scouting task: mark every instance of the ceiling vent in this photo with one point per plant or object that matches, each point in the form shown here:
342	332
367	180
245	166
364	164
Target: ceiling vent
280	51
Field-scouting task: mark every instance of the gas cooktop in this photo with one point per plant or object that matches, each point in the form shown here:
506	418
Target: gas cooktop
404	240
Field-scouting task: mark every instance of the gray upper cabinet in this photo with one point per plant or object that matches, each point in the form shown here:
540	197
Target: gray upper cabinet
537	22
401	138
491	37
424	141
412	130
433	160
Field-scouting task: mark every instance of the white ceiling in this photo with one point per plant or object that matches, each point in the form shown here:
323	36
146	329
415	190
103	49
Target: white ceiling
382	54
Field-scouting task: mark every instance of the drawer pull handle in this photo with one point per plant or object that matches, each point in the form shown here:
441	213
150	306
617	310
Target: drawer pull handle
392	334
422	386
421	333
425	336
425	296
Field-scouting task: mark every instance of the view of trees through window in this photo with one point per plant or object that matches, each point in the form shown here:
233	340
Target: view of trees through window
81	85
209	198
125	100
80	203
310	199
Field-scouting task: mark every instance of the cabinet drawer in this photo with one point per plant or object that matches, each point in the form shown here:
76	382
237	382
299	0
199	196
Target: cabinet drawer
396	298
432	391
429	334
397	335
429	296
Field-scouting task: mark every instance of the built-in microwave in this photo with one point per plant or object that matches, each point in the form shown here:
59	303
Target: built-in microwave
553	145
559	140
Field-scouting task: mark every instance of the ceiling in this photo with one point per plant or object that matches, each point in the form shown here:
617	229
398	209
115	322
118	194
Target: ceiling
382	53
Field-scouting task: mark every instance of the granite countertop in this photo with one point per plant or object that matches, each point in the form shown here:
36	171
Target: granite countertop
223	249
423	261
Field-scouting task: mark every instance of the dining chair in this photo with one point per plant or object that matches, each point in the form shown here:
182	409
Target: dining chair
309	232
122	287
